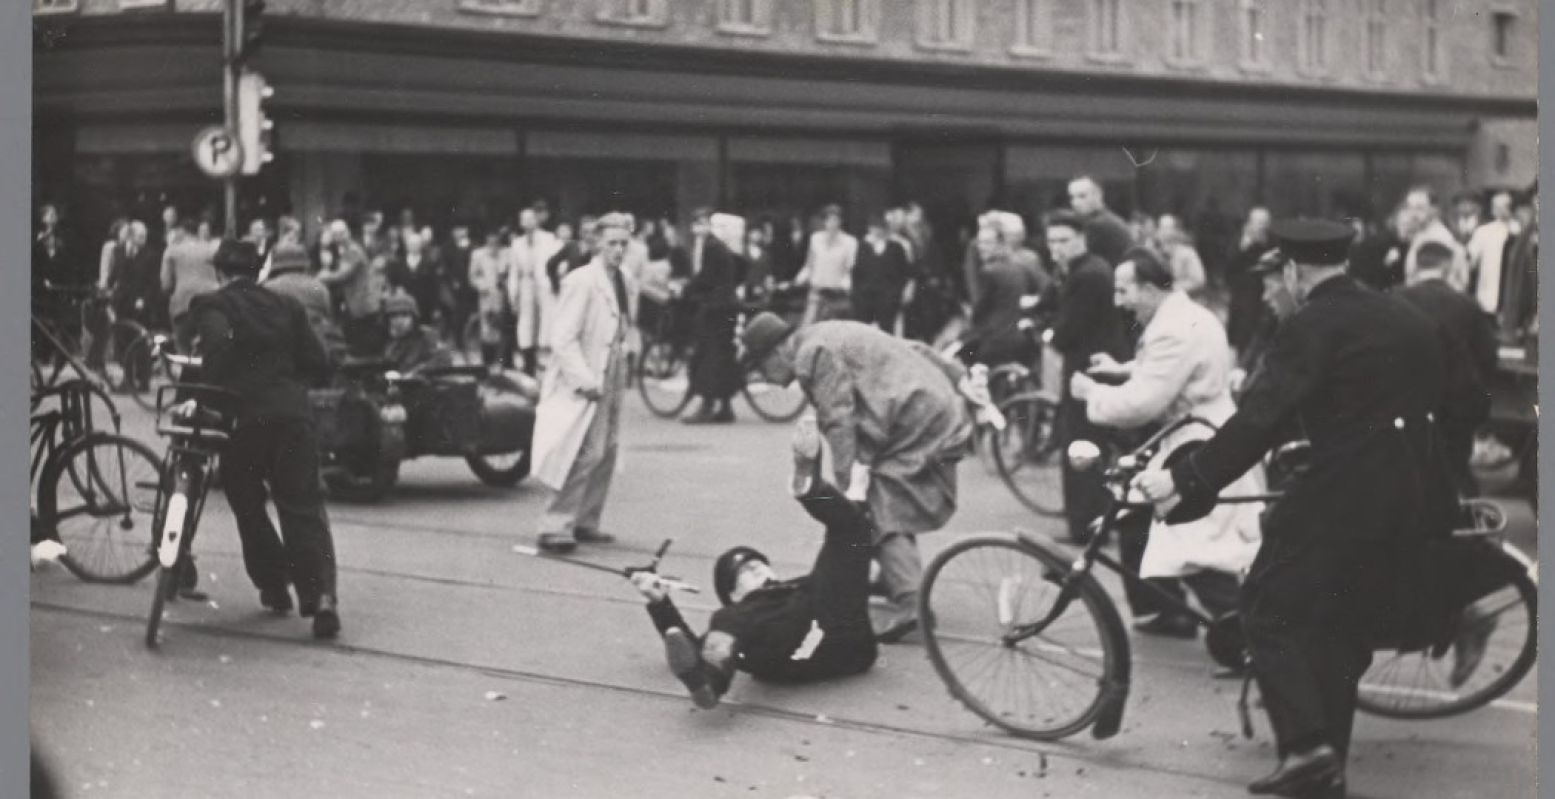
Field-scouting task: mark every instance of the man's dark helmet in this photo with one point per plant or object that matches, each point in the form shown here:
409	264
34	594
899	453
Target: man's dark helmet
728	566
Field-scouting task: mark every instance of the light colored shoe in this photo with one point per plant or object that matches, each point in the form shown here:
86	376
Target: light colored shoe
46	553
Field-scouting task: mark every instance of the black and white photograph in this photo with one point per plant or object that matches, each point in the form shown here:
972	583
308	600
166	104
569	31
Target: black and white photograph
844	399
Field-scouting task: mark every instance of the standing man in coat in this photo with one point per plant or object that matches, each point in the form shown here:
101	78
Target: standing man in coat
715	374
1086	324
359	282
897	428
528	291
1181	369
1345	551
578	422
1106	234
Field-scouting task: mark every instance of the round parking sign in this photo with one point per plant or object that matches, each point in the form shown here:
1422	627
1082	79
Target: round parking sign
217	152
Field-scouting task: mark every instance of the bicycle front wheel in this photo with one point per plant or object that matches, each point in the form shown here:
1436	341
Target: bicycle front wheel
664	378
979	605
1493	650
771	401
1027	455
99	495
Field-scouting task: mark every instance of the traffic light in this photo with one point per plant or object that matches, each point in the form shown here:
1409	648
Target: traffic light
254	127
251	29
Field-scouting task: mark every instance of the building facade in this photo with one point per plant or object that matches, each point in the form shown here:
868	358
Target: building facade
467	108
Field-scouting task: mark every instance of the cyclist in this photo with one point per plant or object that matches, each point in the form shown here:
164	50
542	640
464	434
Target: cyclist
810	628
258	344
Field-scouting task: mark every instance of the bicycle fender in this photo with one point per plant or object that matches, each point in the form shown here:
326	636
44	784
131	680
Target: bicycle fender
1114	698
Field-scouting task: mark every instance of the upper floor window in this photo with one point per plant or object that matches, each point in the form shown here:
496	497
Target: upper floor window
516	8
1106	29
1503	29
653	13
1033	27
1187	36
1255	27
1314	36
745	16
55	6
1376	38
945	23
129	4
846	20
1433	55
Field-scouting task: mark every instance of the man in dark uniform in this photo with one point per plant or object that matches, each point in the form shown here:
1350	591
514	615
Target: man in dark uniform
1087	323
715	374
810	628
1345	552
258	344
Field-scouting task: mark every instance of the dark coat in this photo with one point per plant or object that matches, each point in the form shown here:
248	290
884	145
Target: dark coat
715	373
1371	264
997	313
1087	321
1246	311
423	284
1468	338
1107	236
135	279
883	274
258	344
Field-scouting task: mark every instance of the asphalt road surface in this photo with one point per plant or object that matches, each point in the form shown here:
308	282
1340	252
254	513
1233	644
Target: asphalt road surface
468	669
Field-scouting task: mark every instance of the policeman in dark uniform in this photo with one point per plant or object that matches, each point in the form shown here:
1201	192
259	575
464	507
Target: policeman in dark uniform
258	344
810	628
1345	553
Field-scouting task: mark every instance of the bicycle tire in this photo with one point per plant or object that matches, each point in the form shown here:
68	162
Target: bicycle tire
943	610
1441	699
663	379
772	402
1026	456
117	545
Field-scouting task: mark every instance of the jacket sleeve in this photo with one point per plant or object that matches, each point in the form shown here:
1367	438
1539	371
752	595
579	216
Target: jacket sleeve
311	359
567	334
830	387
667	617
215	339
1160	372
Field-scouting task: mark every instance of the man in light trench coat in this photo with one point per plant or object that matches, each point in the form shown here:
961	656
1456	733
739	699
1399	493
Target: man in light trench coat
578	421
896	426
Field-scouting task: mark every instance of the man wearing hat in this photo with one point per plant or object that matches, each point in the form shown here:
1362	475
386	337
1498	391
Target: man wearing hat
1344	557
412	346
897	428
258	345
805	629
290	276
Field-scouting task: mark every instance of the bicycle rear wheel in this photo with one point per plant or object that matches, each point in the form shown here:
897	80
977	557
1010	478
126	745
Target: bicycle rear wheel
771	401
1048	685
1027	454
99	496
1418	684
664	378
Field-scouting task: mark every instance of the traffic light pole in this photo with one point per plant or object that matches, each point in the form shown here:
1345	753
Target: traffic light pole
232	36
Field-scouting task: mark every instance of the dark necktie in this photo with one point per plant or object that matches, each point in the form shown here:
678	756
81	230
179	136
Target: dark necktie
621	295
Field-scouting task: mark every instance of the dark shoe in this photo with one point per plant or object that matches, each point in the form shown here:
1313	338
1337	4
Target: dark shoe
277	600
703	415
326	622
686	664
725	415
1169	625
192	594
557	543
1302	773
892	622
586	535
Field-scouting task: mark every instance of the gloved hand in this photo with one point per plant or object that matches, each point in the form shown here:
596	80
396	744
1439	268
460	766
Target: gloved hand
650	585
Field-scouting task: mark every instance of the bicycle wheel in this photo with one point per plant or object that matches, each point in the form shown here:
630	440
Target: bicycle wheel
664	378
1418	684
771	401
1048	685
122	368
1027	454
99	496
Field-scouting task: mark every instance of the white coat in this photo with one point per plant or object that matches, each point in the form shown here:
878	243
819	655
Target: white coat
587	326
529	288
1182	368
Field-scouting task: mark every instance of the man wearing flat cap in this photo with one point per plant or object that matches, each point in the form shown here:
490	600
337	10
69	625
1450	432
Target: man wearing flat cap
258	345
1344	558
897	428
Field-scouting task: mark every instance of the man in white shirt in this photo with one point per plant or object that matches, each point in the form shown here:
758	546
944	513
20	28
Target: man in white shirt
828	270
528	289
1487	249
1425	224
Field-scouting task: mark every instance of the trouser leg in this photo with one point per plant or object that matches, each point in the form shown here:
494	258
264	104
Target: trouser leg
581	499
901	568
243	469
1133	534
1085	495
1217	591
299	505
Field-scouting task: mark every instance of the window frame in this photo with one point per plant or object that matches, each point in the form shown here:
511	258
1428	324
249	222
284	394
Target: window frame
1375	16
1198	30
760	23
1245	58
503	8
1121	29
1032	15
1431	26
49	8
868	33
962	14
1309	10
610	12
1497	14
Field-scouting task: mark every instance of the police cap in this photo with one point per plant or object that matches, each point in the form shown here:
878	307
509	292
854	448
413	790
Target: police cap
1315	242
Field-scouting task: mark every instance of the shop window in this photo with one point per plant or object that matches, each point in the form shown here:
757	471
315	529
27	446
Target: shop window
514	8
1376	39
125	5
1503	158
1503	29
1107	29
945	24
1313	36
751	17
644	13
1433	56
55	6
1187	32
852	21
1255	31
1033	28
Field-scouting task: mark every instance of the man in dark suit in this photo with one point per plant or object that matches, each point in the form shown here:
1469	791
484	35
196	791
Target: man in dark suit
134	291
1345	554
1106	235
715	373
1468	338
1087	323
258	345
